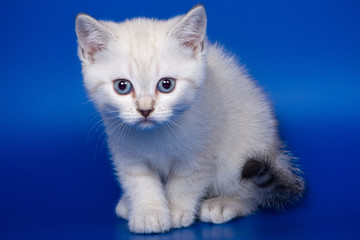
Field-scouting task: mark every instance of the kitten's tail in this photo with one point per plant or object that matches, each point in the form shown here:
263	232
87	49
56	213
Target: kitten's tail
278	179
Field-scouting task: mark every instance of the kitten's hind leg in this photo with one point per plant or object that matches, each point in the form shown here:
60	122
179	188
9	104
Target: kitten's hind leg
223	209
122	209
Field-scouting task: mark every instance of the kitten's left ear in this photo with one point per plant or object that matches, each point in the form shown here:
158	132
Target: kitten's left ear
191	29
93	36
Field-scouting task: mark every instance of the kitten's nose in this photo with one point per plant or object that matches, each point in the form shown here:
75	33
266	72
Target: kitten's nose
146	112
145	105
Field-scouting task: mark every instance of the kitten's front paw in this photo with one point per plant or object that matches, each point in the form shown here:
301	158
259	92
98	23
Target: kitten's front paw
122	209
181	218
150	221
219	210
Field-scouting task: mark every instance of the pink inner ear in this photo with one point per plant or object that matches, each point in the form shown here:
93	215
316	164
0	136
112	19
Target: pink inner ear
96	42
190	44
193	44
94	48
91	50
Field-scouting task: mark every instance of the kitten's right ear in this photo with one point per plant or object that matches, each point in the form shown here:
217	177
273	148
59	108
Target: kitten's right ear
92	36
191	30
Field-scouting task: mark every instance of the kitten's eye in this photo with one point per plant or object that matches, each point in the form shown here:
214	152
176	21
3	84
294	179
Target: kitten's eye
166	85
122	86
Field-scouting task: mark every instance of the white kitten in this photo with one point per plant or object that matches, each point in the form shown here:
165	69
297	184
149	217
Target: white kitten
191	135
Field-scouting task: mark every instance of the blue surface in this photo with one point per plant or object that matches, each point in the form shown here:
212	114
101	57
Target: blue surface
56	181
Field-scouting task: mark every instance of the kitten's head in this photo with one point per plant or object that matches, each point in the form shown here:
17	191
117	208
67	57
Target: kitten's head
143	72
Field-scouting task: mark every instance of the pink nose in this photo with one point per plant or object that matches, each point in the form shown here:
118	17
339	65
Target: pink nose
145	113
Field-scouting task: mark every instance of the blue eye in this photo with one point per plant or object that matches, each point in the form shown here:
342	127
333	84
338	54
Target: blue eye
122	86
166	85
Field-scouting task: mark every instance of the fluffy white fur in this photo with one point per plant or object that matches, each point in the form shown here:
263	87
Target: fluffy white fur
184	160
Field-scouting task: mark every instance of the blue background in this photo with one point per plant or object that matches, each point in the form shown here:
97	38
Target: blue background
56	181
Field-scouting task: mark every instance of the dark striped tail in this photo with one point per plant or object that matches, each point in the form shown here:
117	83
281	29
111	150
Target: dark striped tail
280	186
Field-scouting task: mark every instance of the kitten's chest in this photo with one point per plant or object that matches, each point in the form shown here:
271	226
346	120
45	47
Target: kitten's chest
161	151
154	145
160	157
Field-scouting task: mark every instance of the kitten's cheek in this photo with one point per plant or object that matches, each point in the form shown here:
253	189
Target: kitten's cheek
129	118
159	118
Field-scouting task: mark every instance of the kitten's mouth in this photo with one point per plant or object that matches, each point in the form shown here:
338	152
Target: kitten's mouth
146	124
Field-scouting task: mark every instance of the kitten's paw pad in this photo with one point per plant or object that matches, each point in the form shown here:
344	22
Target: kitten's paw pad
122	209
150	221
217	210
181	218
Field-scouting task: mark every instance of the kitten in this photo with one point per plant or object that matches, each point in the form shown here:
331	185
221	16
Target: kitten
190	134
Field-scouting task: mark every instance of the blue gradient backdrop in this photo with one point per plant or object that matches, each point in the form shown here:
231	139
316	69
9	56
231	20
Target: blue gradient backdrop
56	181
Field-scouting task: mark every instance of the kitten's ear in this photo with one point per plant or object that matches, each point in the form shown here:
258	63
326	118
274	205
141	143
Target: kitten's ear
191	29
92	36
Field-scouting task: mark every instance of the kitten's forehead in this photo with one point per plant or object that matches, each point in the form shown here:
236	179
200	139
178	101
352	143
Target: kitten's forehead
142	41
142	36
